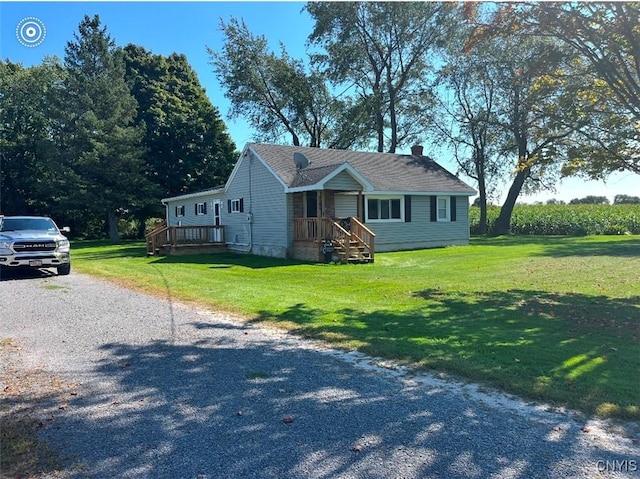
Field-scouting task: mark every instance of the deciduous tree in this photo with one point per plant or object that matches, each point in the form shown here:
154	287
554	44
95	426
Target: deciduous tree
28	148
606	37
187	143
381	51
465	117
277	95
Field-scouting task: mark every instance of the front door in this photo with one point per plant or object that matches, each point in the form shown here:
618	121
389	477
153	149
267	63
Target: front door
312	204
217	233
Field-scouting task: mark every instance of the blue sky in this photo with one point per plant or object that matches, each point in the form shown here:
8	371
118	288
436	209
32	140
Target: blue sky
188	28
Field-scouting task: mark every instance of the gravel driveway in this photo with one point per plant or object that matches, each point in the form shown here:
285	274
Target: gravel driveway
156	389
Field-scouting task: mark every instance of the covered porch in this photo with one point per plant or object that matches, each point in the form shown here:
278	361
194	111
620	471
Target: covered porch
321	232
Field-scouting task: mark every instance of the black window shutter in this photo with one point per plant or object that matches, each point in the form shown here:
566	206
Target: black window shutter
204	209
196	205
228	206
434	208
407	208
453	208
176	211
241	205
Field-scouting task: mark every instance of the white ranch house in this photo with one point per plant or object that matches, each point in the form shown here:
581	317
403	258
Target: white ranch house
352	203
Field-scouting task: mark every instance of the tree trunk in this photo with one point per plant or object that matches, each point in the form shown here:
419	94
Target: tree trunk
393	120
142	227
112	222
482	226
379	117
482	190
503	223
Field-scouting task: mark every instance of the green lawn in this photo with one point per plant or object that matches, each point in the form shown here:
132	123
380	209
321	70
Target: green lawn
549	318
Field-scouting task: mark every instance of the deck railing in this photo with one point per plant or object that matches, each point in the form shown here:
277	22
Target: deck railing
312	229
180	235
183	235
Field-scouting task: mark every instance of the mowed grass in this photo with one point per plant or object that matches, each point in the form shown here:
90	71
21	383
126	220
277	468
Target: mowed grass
555	319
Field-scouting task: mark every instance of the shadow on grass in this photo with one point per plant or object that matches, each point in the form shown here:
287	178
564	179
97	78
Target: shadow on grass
228	260
22	452
566	348
101	250
628	247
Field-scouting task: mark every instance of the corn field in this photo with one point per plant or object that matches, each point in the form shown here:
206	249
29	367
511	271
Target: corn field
572	220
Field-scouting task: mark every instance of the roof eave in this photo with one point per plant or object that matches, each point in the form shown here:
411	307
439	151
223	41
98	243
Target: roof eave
187	196
423	193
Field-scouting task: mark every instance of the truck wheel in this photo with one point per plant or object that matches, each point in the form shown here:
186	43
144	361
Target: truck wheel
64	269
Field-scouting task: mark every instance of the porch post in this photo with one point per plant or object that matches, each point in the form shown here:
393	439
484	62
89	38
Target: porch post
360	212
319	213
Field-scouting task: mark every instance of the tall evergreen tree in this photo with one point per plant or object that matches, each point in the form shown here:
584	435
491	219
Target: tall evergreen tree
102	144
187	143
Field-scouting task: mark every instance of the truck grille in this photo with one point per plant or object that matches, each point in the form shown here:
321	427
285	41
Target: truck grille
28	246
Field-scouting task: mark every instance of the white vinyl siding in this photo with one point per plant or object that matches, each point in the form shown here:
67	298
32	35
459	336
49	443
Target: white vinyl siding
346	205
264	198
343	181
421	232
192	211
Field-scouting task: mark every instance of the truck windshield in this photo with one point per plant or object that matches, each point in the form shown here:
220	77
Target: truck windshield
20	224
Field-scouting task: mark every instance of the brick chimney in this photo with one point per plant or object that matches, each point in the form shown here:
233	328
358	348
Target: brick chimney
416	150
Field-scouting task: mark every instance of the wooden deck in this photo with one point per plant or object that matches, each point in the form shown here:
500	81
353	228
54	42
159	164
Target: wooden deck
347	239
163	240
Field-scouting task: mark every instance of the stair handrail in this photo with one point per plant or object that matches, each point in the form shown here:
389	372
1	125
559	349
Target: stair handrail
153	236
343	236
359	231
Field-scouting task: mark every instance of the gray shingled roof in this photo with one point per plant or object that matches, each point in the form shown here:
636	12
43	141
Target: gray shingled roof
312	175
385	171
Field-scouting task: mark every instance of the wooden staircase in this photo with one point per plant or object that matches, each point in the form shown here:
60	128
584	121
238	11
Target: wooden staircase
353	252
355	244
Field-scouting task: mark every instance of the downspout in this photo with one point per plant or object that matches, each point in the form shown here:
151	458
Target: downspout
166	213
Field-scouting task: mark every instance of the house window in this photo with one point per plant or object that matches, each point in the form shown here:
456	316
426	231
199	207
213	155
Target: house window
180	210
201	208
384	209
235	206
444	208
